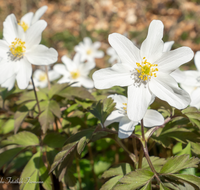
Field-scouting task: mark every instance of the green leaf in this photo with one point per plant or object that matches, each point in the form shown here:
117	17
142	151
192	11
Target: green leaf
102	110
111	183
54	140
162	187
188	178
147	186
23	138
81	144
6	127
8	155
56	89
195	147
177	163
70	180
55	108
119	169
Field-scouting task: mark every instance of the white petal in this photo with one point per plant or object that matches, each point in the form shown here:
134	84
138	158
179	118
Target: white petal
37	73
178	75
192	78
87	41
126	50
39	13
85	68
119	100
96	45
115	116
168	46
195	98
126	127
43	84
10	28
61	69
53	75
71	65
34	33
197	60
24	75
188	89
152	46
153	118
86	82
9	83
64	79
117	75
4	48
166	88
99	54
139	99
41	55
171	60
27	18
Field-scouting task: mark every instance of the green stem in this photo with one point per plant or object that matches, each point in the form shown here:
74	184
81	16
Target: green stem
35	95
141	154
49	84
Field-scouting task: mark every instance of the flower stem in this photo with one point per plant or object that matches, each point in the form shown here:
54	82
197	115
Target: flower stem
146	152
35	95
49	84
135	148
141	154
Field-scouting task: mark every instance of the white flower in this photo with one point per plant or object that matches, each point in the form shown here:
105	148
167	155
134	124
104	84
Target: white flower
127	126
88	50
75	71
191	84
19	50
114	58
30	18
40	78
146	72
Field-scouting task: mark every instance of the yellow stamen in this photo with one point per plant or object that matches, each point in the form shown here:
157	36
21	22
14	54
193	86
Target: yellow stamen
23	25
89	52
125	108
146	69
17	48
43	77
75	74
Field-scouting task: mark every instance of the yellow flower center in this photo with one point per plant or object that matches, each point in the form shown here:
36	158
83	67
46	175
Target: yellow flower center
23	25
43	77
17	49
89	52
146	70
75	74
125	108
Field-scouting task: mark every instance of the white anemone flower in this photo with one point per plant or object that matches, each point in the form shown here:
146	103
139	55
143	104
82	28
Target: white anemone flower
30	18
146	72
19	50
114	58
127	126
88	50
75	71
40	78
191	84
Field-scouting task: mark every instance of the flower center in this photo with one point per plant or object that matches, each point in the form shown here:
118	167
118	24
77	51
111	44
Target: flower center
23	25
17	49
146	70
75	74
125	107
43	77
89	51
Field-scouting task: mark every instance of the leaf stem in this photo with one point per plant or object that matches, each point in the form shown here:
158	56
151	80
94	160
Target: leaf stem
36	95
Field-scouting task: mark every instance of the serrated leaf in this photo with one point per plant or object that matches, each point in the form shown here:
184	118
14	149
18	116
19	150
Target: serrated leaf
55	108
195	147
56	89
147	186
188	178
81	144
109	185
102	110
177	163
23	138
54	140
162	187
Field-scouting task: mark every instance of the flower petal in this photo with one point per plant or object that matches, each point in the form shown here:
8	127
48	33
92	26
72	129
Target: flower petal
34	33
24	75
61	69
119	100
153	118
166	88
115	116
87	41
98	54
195	97
64	79
192	78
168	46
139	99
41	55
71	65
96	45
53	75
9	83
197	60
178	75
117	75
37	73
126	127
126	50
27	18
38	14
10	28
85	68
171	60
4	48
86	82
152	46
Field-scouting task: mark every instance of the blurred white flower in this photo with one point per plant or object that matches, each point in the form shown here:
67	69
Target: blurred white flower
114	58
19	50
191	84
88	50
146	72
40	78
127	126
75	71
30	18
